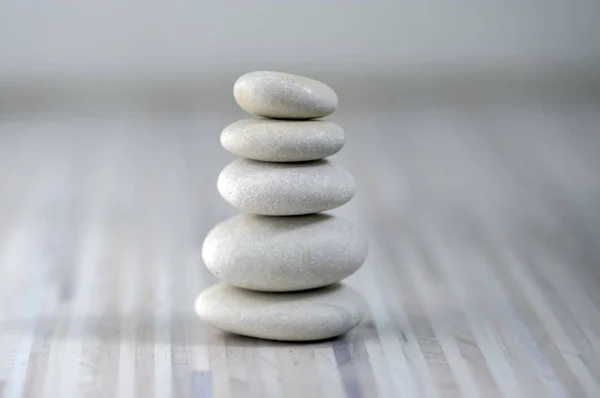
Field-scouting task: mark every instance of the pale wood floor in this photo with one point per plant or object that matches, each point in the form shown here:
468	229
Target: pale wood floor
483	277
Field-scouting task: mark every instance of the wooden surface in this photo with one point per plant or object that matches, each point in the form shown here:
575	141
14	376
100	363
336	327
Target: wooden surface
483	277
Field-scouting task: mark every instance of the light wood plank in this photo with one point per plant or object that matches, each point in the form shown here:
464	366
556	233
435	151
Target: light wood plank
482	277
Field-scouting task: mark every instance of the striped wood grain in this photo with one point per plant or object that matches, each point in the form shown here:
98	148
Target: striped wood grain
483	277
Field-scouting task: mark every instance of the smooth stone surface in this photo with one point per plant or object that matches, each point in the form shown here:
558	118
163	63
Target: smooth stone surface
300	316
284	96
283	253
283	141
285	189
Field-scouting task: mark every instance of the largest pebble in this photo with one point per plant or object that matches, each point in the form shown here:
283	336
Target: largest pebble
299	316
280	95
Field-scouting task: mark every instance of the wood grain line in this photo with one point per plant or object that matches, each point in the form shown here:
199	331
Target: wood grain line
481	279
347	369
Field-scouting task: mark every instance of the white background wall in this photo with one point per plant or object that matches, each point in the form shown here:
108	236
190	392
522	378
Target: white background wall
204	38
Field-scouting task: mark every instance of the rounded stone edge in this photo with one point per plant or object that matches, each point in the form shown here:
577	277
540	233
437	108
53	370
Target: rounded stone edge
226	194
227	136
284	115
209	263
362	313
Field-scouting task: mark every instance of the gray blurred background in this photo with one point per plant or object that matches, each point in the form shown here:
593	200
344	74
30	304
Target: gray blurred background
66	53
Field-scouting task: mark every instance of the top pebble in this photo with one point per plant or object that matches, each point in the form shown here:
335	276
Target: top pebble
278	95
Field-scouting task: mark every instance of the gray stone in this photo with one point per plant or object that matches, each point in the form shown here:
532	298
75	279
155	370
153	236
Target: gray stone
299	316
284	96
283	141
283	253
285	189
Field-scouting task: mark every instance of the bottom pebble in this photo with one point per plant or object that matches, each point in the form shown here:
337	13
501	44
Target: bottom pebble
296	316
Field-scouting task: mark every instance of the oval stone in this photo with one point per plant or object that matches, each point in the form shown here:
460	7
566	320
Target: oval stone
285	189
283	141
299	316
284	96
282	254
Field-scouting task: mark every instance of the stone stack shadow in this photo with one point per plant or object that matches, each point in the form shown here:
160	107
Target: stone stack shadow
282	258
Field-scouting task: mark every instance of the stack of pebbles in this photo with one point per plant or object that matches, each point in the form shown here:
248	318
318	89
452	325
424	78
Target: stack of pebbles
282	259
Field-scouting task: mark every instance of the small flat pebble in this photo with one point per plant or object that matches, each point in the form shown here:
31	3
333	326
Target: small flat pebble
285	189
283	253
283	141
284	96
299	316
